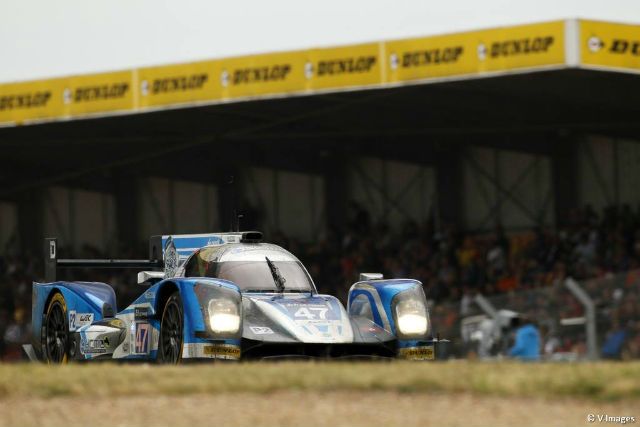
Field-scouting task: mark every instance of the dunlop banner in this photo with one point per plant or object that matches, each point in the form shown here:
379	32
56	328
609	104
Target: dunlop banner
502	49
31	101
525	46
98	93
349	66
178	84
430	57
249	76
603	44
519	48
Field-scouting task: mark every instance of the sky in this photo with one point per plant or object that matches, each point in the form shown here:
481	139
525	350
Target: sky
44	38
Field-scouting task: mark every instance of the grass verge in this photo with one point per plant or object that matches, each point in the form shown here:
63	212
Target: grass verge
591	381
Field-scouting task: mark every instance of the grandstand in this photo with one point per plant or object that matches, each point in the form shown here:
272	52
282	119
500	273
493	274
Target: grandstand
465	153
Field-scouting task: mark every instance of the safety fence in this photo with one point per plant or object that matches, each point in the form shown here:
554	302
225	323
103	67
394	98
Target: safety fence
590	319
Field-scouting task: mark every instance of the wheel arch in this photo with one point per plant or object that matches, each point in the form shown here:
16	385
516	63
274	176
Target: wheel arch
52	293
46	308
43	315
166	290
193	316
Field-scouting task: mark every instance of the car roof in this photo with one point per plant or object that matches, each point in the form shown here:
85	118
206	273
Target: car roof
244	252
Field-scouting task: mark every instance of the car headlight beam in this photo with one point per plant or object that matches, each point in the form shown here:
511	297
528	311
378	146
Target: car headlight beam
411	315
223	316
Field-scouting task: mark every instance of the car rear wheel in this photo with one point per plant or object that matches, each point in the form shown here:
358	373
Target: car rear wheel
57	331
170	345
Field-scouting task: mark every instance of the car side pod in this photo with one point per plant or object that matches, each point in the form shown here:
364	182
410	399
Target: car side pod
398	306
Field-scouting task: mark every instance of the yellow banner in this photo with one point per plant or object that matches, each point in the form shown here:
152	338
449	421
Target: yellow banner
502	49
431	57
524	46
40	100
105	92
604	44
177	84
250	76
349	66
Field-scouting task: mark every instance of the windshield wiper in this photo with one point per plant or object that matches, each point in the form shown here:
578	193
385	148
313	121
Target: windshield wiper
277	277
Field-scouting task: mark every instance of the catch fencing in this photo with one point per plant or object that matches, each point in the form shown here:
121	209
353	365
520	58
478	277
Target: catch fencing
577	320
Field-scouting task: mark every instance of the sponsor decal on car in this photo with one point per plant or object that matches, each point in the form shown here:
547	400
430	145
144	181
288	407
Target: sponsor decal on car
141	313
142	338
96	346
417	353
78	320
223	351
261	330
309	310
171	261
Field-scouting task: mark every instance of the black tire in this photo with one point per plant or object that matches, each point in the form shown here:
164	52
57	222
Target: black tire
171	329
56	331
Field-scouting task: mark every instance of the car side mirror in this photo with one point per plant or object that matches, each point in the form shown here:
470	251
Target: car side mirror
364	277
149	277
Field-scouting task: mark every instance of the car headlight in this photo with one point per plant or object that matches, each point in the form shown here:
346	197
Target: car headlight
411	315
223	316
221	309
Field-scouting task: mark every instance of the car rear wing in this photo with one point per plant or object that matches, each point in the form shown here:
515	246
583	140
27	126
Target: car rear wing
52	263
185	244
165	252
174	249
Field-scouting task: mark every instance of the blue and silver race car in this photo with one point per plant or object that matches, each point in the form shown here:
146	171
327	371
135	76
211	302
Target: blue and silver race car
223	296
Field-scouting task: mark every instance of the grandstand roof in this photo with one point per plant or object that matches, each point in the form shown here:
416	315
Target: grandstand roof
546	52
526	88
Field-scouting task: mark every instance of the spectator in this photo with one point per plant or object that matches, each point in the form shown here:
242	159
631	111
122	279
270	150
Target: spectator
527	342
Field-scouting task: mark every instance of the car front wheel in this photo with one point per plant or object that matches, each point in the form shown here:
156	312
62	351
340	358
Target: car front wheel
57	331
170	345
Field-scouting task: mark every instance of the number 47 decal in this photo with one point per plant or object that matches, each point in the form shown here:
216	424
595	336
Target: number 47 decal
308	312
142	338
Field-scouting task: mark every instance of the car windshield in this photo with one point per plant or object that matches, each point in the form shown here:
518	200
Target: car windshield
256	275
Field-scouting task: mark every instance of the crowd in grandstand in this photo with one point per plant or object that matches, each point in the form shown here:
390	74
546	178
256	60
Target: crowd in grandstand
452	265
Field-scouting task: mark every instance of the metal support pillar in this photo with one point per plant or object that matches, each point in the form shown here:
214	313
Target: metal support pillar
565	177
590	315
127	216
228	199
449	187
335	190
31	220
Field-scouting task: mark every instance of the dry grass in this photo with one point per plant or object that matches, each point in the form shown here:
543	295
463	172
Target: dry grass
590	381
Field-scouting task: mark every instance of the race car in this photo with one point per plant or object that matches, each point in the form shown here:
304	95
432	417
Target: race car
223	296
